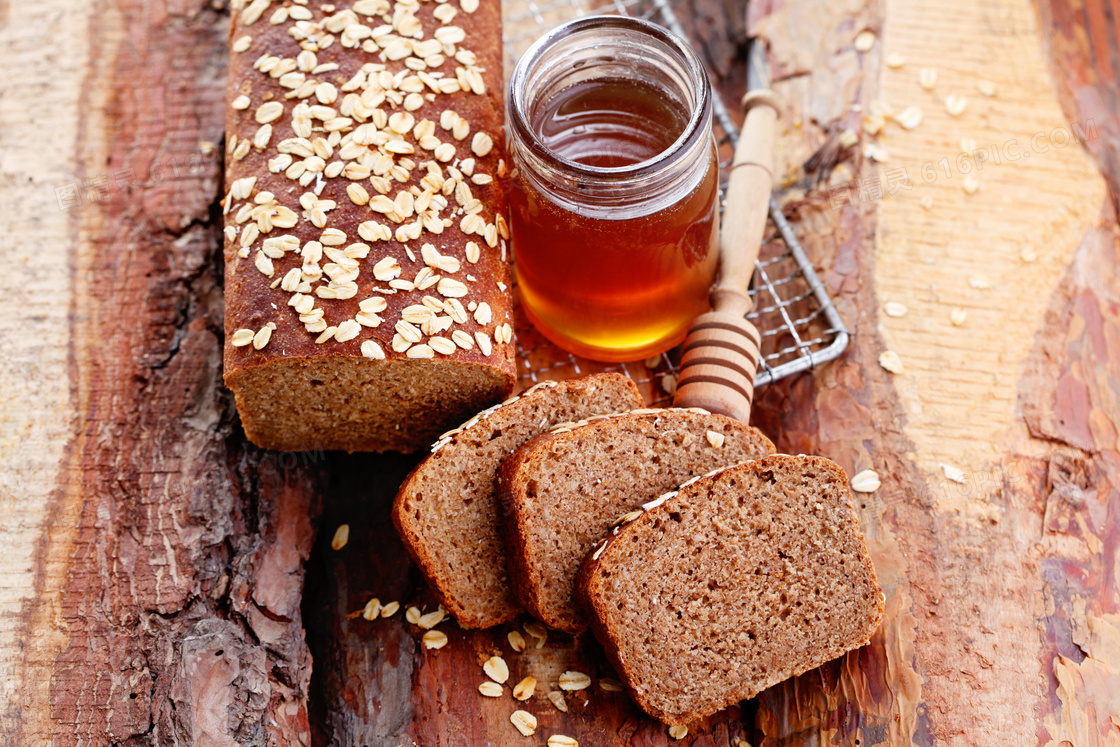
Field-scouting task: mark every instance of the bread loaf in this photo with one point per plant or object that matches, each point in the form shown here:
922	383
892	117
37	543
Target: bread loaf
732	584
367	288
564	490
446	512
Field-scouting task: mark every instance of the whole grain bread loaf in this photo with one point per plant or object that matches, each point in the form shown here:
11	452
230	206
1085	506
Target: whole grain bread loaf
735	582
367	288
565	489
447	512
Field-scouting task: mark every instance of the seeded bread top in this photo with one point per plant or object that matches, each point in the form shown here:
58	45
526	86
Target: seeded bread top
364	212
454	433
734	582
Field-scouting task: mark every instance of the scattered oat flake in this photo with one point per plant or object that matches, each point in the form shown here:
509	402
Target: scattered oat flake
538	631
955	104
678	731
889	360
971	185
715	439
491	689
866	481
909	118
958	317
927	78
979	283
516	641
525	722
432	619
895	309
559	740
496	669
848	138
557	699
864	41
956	474
986	87
372	609
524	689
876	153
926	202
341	537
412	615
610	685
1028	254
434	639
895	60
574	681
390	609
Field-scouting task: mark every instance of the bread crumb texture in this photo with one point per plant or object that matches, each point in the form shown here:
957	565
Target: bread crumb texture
565	492
448	513
742	579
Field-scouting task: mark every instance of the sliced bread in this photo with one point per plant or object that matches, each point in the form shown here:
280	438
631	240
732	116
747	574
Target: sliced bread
564	490
446	512
740	580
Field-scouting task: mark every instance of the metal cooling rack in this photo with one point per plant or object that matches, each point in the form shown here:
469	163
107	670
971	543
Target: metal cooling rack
793	312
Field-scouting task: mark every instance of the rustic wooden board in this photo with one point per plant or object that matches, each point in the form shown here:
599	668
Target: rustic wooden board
151	561
152	564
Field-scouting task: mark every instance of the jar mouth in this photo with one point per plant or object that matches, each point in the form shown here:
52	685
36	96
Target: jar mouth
637	31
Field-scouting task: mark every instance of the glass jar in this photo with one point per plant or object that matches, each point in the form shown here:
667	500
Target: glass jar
615	188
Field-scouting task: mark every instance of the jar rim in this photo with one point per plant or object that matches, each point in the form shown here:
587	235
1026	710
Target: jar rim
691	63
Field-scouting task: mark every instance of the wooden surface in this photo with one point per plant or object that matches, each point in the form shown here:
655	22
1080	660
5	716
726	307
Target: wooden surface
152	584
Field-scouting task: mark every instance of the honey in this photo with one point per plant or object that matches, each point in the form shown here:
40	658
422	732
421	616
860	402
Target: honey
614	200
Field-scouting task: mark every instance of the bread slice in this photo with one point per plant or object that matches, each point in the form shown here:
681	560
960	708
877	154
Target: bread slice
738	581
446	512
564	490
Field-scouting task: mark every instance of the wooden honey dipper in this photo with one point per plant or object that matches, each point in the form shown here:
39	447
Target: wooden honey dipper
722	348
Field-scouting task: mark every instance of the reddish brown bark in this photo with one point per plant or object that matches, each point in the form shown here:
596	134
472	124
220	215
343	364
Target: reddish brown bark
181	595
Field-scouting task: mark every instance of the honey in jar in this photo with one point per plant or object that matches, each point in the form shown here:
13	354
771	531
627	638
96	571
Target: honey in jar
614	200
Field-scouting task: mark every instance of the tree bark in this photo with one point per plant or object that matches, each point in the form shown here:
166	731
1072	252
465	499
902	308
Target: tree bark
154	571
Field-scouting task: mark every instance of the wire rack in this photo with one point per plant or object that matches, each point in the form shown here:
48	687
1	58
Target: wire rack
797	320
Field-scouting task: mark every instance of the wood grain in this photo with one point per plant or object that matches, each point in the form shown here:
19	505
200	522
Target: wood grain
35	327
980	632
157	580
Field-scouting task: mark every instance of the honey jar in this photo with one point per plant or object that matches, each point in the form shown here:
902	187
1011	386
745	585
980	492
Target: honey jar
615	187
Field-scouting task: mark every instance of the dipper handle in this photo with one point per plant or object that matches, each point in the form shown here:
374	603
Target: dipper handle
722	348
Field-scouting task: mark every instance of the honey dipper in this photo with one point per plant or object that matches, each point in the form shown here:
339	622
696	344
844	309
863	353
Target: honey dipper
722	348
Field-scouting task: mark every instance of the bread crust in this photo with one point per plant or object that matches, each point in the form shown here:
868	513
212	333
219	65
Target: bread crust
524	579
372	356
515	473
423	549
608	634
